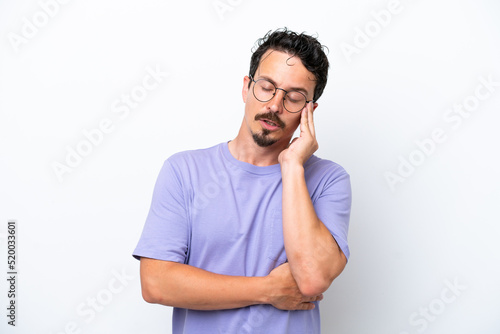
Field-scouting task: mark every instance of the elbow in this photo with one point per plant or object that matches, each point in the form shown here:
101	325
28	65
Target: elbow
148	298
315	283
153	295
149	293
314	287
151	285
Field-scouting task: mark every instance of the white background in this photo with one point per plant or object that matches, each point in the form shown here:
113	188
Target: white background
408	243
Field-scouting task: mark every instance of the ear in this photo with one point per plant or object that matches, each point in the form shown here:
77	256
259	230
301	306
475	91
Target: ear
315	105
244	92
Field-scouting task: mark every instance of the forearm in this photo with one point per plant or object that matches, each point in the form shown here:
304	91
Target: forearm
314	256
184	286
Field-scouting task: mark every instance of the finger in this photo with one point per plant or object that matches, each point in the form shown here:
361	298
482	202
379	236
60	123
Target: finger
304	126
314	299
306	306
310	118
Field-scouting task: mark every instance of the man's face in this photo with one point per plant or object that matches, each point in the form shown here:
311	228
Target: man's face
269	122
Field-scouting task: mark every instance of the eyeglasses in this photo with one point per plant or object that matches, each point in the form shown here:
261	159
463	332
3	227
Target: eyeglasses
264	91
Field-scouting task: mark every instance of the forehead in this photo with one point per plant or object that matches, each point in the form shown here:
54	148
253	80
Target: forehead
285	70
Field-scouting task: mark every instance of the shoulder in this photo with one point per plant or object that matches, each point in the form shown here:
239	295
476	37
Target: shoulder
316	166
328	179
189	158
186	165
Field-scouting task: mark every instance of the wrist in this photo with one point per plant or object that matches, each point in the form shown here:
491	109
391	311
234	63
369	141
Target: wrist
268	286
293	167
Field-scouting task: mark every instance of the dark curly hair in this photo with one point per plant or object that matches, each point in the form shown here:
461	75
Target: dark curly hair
307	48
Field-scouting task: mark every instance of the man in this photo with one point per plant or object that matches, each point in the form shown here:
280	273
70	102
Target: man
245	236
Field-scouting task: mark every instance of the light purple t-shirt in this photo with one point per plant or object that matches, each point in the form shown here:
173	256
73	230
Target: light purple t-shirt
214	212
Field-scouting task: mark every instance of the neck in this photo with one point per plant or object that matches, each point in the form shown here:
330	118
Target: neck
244	148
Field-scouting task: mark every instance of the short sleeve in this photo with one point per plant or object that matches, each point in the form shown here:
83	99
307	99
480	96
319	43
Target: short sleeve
333	208
165	232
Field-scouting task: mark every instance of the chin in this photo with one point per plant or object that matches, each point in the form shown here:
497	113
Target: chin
263	140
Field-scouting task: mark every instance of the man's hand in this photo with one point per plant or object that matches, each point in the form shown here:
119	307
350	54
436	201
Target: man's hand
286	294
301	148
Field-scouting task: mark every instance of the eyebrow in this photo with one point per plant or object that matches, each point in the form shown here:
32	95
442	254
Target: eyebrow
300	89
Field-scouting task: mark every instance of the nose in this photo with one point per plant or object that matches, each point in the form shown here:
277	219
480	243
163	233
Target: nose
276	103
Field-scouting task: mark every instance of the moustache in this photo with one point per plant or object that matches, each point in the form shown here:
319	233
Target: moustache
271	116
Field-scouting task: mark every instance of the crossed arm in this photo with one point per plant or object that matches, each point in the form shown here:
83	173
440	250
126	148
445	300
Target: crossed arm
180	285
314	258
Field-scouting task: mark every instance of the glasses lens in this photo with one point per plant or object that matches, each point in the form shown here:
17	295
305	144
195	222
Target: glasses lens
264	90
295	101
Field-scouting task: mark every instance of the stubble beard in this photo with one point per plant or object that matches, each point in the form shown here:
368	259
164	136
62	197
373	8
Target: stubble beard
262	139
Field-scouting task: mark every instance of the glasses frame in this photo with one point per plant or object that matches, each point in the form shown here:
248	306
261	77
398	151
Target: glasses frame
274	94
